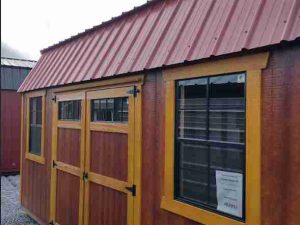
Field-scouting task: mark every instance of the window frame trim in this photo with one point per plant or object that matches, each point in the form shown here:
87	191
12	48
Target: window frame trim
252	65
208	142
28	155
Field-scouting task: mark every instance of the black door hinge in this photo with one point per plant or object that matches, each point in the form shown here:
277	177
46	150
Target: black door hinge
54	164
134	91
85	176
132	189
54	98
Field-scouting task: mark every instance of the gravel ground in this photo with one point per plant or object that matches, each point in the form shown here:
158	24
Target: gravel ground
11	211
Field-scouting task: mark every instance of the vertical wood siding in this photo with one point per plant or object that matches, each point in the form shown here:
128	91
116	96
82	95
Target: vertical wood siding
280	144
280	151
109	154
10	131
67	198
35	192
107	206
281	138
68	149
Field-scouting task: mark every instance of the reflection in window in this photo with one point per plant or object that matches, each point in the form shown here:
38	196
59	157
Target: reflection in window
210	135
69	110
110	109
35	125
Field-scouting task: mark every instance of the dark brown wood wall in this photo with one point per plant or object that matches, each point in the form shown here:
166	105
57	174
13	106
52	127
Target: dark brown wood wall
280	149
153	107
281	138
280	144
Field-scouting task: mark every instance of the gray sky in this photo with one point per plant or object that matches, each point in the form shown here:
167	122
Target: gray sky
27	26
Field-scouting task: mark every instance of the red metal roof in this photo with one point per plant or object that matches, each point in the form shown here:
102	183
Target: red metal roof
162	33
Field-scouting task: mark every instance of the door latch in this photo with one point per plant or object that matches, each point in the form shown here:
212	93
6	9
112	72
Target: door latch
85	176
54	98
54	164
132	189
134	91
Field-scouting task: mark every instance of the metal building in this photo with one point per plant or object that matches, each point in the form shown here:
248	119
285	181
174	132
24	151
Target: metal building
13	72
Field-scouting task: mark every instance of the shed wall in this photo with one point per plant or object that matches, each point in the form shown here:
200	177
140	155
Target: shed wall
280	144
281	138
280	148
11	78
35	178
10	131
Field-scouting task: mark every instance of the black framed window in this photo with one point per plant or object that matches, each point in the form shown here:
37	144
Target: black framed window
35	125
69	110
210	137
110	110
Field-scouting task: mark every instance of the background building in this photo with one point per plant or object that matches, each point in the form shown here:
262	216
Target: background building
13	72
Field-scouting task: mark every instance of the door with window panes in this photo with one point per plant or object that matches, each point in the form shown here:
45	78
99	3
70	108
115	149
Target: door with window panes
93	167
67	185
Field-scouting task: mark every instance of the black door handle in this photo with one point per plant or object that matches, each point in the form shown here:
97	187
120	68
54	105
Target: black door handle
132	189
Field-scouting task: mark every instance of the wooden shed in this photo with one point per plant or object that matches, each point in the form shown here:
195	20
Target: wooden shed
13	72
175	113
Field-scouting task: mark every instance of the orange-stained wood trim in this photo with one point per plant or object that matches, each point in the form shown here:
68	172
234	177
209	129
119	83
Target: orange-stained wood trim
69	124
138	156
87	164
169	140
68	169
53	157
222	66
108	182
68	96
253	147
35	158
252	65
111	83
131	155
117	90
76	171
29	156
109	127
82	159
35	94
197	214
109	93
133	203
21	149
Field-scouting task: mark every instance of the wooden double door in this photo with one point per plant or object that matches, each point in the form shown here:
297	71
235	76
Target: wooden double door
95	176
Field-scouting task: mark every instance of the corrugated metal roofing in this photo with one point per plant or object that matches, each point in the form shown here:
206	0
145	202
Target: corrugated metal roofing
17	62
162	33
12	77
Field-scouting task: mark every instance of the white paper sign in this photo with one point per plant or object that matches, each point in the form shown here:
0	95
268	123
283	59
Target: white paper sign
230	192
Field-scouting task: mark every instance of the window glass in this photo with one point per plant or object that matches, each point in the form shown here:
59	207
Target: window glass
35	125
227	108
110	110
69	110
192	103
210	136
